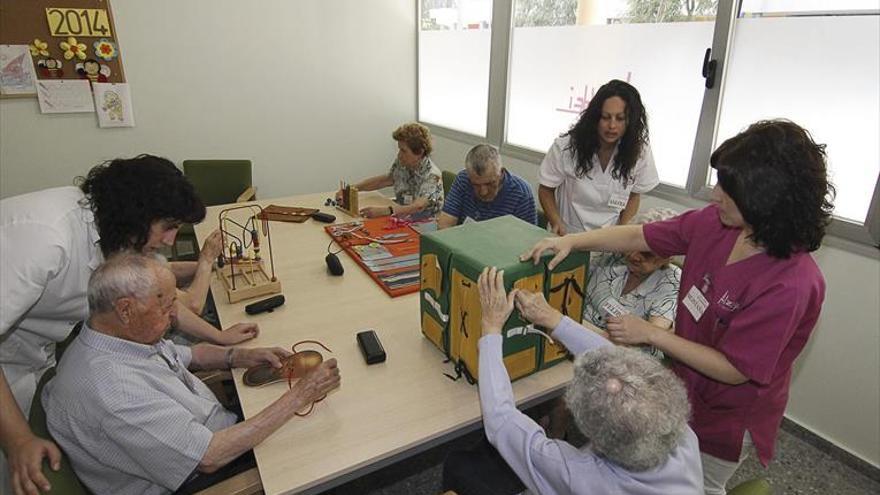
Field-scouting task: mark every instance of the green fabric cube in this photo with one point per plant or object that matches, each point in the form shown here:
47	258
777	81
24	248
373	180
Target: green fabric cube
451	262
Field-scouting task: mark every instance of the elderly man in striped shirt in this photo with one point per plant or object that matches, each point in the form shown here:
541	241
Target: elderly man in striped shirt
484	190
125	407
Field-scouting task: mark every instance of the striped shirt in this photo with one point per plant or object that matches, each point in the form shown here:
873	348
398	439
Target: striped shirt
514	198
131	417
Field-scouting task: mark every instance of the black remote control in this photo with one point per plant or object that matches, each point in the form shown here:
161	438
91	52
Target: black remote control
323	217
370	346
264	305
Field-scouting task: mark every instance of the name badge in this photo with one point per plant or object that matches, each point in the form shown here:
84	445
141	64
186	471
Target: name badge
613	308
696	303
618	200
407	199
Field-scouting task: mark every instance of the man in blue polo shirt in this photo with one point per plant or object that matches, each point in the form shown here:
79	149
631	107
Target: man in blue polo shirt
484	190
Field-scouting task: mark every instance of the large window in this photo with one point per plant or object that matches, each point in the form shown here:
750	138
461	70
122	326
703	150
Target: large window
454	39
558	62
819	68
815	62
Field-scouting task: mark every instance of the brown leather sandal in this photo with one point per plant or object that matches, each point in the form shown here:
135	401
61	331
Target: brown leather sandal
292	367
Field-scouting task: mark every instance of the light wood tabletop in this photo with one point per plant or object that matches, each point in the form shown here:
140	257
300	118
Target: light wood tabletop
382	412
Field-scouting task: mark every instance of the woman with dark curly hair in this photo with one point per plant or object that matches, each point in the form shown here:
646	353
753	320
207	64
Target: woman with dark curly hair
417	182
594	174
751	292
50	243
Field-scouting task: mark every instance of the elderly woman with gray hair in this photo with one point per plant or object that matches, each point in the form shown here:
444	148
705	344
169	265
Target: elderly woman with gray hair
633	410
636	283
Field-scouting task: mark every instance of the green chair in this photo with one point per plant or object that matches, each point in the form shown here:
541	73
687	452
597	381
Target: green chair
221	181
217	182
542	218
448	179
757	486
64	481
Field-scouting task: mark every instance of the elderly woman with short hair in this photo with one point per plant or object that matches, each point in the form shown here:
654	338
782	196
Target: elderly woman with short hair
417	182
633	409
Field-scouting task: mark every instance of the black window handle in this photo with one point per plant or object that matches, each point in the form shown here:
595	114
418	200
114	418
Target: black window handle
709	67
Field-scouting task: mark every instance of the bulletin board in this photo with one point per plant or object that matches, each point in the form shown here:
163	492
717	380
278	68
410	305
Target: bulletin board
67	39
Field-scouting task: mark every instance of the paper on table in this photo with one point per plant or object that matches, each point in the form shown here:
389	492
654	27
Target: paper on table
65	96
17	74
113	104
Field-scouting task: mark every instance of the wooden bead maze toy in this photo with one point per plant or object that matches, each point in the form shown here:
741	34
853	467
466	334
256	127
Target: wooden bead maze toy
241	266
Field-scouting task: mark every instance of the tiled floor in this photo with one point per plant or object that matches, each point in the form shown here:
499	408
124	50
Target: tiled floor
798	469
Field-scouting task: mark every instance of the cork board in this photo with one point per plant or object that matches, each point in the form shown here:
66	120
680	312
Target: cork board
92	54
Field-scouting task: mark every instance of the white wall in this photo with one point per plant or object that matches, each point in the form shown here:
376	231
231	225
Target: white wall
310	90
835	390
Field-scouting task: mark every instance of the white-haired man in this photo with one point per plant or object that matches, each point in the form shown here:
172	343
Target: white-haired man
633	410
124	405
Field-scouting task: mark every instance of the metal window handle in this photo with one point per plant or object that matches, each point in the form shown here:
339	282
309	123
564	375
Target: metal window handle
709	66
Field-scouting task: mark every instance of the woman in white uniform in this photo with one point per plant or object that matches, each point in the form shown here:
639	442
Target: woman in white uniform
593	175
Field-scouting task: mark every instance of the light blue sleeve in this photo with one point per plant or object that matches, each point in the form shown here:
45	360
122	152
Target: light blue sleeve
576	338
538	461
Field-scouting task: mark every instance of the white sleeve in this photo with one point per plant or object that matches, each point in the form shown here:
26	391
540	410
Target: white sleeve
552	170
38	258
645	173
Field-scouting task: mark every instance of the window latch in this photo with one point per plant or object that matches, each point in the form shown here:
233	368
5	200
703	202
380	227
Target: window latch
709	66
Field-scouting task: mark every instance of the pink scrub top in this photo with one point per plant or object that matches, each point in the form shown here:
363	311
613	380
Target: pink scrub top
761	312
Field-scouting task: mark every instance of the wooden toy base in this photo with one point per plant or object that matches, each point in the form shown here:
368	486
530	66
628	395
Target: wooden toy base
251	280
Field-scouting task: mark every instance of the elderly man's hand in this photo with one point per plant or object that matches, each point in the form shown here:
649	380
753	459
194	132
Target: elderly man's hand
26	465
630	330
317	383
533	307
245	358
212	247
496	304
238	333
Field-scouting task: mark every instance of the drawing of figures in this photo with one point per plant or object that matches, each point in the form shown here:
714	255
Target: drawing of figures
113	106
16	70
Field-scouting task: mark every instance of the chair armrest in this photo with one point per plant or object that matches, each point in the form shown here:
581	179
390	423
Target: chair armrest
213	376
248	194
246	483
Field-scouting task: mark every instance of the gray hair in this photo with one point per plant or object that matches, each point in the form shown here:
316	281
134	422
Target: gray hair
632	408
653	215
125	274
481	157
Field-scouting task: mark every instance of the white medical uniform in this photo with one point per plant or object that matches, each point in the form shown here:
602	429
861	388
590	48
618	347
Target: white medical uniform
595	200
48	250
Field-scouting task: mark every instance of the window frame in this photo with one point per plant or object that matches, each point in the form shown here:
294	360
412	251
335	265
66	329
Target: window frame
851	236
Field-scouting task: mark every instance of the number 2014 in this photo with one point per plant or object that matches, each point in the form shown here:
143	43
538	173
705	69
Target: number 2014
78	22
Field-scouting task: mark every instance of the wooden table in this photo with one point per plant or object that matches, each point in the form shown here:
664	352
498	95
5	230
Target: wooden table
381	413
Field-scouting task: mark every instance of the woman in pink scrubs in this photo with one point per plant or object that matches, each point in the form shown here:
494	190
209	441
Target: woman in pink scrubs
750	291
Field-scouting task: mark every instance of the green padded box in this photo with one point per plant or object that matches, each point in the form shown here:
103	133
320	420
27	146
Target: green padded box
451	262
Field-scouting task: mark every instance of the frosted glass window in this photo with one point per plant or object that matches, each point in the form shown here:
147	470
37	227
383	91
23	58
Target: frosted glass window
454	44
820	71
557	66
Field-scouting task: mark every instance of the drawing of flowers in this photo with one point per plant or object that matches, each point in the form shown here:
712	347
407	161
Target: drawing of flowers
105	49
73	49
39	47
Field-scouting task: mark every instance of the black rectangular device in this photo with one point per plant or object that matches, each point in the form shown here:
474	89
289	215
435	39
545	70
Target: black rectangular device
370	346
264	305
